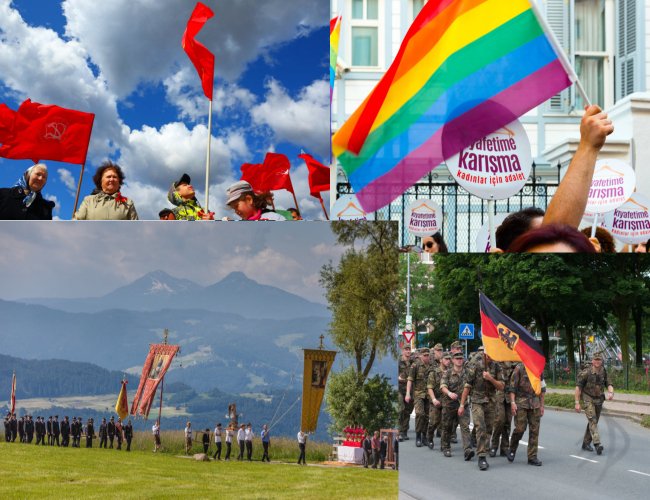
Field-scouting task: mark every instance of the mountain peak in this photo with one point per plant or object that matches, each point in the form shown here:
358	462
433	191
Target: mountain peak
235	277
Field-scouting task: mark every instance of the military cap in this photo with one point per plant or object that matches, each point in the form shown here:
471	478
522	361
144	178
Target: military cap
447	355
437	347
597	355
457	355
407	346
455	345
481	348
425	350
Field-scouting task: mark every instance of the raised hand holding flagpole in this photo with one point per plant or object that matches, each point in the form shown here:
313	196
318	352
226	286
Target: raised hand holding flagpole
203	61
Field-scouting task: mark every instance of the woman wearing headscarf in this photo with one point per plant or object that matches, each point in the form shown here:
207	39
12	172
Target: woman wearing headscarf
24	200
106	202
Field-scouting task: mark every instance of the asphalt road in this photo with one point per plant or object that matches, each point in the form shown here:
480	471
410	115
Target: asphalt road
621	472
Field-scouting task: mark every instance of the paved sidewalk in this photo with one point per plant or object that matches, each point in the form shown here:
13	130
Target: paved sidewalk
631	404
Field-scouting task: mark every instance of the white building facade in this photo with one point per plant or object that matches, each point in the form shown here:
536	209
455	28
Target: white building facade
608	43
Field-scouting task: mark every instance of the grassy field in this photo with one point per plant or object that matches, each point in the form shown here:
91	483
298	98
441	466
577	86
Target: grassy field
28	471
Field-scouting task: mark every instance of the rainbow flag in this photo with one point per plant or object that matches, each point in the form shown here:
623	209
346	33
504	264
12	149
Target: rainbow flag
335	31
465	69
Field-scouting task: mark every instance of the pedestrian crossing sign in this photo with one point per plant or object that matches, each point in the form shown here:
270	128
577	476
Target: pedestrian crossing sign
466	331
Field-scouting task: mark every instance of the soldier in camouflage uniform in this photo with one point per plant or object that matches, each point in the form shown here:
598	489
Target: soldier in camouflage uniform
404	407
453	381
527	408
483	379
435	397
436	359
417	382
591	384
456	347
502	414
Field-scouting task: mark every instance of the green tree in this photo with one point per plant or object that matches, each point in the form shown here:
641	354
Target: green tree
362	292
351	402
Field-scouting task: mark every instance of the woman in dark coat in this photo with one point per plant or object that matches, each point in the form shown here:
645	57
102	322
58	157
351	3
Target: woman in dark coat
24	201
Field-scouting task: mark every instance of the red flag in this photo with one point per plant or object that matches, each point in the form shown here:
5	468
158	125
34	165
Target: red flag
319	175
271	175
48	132
201	57
155	366
13	394
7	117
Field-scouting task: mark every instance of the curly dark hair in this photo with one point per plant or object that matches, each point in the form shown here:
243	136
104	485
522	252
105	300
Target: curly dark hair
107	165
604	237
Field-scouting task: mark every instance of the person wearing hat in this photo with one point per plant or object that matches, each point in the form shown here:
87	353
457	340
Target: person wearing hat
181	194
106	201
435	397
451	385
128	434
528	409
417	382
248	205
405	409
437	355
502	414
591	384
484	378
110	429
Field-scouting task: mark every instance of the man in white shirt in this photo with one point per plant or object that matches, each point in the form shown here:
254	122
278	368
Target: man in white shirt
241	436
188	438
155	430
230	432
302	441
217	442
248	437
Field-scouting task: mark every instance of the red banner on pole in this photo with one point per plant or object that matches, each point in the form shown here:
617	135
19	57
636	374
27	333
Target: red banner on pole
155	366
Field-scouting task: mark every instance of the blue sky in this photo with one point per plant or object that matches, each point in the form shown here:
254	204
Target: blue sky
123	61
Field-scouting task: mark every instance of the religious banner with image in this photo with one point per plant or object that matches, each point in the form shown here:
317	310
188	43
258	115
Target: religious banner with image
155	366
317	366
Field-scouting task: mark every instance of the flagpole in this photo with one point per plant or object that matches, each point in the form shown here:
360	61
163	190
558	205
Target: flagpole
560	52
493	233
295	201
323	206
76	198
207	160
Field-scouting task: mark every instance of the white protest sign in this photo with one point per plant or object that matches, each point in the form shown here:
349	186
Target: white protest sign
495	167
483	243
424	217
630	223
347	207
612	184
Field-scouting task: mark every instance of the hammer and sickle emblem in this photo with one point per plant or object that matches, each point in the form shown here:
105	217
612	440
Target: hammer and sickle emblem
55	131
507	336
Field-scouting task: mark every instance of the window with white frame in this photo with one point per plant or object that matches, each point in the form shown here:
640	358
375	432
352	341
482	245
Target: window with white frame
364	26
585	30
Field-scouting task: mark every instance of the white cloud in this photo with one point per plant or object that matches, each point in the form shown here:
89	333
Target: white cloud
135	41
303	121
183	90
67	178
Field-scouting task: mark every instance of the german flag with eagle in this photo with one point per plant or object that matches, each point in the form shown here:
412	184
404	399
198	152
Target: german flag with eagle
506	340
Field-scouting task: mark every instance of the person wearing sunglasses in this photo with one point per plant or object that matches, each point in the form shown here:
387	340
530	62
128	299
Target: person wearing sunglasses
434	244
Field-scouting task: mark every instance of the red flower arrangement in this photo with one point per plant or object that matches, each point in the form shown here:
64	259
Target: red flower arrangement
354	436
120	199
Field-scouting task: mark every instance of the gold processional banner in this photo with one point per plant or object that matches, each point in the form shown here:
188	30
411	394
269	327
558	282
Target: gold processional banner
318	364
155	366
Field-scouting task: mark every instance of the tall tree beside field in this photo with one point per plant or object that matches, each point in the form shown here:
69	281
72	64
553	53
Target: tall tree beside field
362	292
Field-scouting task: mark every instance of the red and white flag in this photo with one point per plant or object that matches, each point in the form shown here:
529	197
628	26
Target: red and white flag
271	175
13	394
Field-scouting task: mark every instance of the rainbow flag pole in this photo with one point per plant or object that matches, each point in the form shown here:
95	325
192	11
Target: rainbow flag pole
465	68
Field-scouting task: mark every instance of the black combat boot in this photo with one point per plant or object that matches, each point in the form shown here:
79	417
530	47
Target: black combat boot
418	439
534	461
482	463
493	452
468	455
599	449
587	447
511	455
